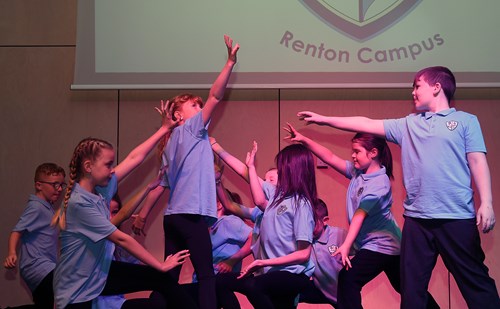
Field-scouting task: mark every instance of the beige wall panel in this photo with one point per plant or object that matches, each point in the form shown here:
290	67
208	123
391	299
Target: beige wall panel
48	22
41	120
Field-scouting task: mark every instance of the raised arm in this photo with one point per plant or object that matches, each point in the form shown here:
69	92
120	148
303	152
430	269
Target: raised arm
353	124
320	151
480	171
259	198
219	87
139	153
234	163
354	228
129	208
227	202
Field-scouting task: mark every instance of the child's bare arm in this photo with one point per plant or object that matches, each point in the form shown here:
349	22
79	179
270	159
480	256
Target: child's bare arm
485	217
219	87
320	151
130	207
259	198
353	124
298	257
226	266
354	228
234	163
149	202
139	153
133	247
11	259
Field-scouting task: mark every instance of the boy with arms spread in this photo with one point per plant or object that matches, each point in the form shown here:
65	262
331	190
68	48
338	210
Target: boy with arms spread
441	149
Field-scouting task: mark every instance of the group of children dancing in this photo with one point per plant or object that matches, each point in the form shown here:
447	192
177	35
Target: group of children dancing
297	256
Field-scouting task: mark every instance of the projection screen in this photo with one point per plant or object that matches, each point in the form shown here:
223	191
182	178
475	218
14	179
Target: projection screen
178	44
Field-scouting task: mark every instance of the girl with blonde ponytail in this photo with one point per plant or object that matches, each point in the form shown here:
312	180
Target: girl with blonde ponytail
85	269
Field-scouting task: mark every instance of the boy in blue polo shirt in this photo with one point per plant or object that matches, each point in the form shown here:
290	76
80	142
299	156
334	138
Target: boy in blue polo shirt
38	239
322	289
441	149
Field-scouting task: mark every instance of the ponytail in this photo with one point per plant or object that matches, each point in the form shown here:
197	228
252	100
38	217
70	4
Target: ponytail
370	141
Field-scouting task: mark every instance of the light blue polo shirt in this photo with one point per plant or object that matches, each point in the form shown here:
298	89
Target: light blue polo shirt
372	193
434	149
326	273
255	215
282	226
228	235
86	254
191	170
38	251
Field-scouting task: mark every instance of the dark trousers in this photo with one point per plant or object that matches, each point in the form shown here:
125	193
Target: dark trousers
366	265
312	295
183	231
277	289
458	243
43	295
127	278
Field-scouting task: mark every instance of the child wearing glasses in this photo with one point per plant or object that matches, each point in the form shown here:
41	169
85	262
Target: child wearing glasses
38	239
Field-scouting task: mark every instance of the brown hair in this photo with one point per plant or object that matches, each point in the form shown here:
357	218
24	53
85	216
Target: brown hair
88	148
48	169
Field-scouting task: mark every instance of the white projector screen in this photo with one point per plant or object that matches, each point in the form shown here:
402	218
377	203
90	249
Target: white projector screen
178	44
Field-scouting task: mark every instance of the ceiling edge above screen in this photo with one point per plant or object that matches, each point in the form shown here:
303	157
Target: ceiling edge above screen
86	77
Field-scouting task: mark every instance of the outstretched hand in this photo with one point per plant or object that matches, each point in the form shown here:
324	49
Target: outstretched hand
231	51
250	160
174	260
165	112
294	136
310	117
250	269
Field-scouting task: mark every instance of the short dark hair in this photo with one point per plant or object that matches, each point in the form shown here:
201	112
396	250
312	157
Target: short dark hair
321	209
439	74
48	169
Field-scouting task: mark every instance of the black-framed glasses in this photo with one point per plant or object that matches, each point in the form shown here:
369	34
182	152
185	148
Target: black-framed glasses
55	184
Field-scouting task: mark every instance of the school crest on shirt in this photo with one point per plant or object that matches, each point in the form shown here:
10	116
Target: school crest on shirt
281	209
360	191
451	125
332	249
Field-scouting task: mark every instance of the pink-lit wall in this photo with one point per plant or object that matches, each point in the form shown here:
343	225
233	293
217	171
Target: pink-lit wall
42	120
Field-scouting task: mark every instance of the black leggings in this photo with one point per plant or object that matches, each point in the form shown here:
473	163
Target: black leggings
366	265
277	289
184	231
127	278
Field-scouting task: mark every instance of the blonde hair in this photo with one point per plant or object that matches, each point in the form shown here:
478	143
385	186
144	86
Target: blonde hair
88	148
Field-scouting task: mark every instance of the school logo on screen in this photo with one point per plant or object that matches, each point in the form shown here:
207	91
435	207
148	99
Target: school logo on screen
362	19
